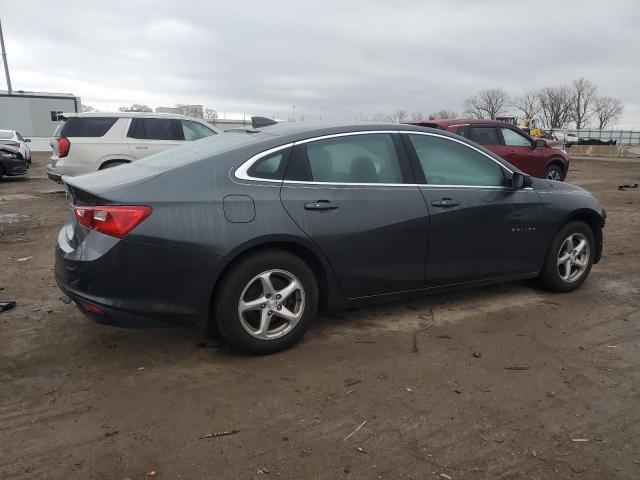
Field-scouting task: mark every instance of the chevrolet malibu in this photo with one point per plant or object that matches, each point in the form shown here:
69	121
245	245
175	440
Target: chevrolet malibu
253	231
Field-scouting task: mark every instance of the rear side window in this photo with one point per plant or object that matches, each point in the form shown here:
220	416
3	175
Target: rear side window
87	127
448	162
350	159
484	135
155	129
271	166
6	134
195	130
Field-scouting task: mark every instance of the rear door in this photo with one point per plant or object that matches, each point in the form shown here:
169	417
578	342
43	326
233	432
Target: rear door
354	195
147	136
479	226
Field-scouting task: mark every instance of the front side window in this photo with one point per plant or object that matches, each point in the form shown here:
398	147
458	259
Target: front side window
155	129
368	158
484	135
195	130
514	139
448	162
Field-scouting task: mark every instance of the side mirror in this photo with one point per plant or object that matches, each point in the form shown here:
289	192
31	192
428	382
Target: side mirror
27	140
520	180
539	142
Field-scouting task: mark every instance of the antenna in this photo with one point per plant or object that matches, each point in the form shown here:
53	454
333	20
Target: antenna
4	61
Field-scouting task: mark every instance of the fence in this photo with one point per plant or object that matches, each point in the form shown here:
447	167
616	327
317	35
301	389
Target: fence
621	137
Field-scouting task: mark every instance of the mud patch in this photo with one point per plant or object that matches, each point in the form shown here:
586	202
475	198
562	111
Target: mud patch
9	218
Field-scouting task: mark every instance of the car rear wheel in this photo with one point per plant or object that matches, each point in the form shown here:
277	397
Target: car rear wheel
553	172
266	302
570	258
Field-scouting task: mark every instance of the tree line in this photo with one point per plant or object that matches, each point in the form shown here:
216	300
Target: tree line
556	107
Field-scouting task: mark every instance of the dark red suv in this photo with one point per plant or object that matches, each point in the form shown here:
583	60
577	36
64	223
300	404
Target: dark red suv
534	156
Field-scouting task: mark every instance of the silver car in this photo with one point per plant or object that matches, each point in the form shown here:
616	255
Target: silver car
13	139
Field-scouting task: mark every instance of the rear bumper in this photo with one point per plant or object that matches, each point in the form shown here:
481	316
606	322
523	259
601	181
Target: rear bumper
56	177
136	285
15	167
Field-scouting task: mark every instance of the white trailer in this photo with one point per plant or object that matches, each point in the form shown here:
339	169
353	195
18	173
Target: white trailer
34	114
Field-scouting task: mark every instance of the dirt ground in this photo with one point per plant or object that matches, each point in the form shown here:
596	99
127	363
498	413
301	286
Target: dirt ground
80	400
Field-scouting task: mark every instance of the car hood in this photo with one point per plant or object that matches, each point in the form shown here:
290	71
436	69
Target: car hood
543	185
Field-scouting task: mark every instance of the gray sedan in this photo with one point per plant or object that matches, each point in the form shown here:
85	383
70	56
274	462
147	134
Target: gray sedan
253	231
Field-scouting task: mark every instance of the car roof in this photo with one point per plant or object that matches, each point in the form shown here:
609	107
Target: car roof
126	115
294	131
442	123
10	131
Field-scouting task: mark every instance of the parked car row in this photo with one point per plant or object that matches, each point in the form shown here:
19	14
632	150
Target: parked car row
253	231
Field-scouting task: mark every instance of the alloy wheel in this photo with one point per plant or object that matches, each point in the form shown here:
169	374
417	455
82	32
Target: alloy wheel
271	304
573	257
554	174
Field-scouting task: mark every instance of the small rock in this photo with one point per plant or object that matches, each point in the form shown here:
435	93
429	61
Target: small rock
24	259
409	390
263	471
477	355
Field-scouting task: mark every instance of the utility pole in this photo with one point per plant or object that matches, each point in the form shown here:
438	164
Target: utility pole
293	113
4	61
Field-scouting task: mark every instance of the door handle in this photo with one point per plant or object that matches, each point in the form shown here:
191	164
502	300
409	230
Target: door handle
139	147
321	205
445	203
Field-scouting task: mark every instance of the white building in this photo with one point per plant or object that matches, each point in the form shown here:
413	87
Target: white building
187	110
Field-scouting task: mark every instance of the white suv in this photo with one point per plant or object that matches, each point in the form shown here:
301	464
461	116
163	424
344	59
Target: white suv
86	142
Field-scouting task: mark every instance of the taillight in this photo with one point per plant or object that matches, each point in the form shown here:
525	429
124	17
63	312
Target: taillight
14	145
116	220
63	146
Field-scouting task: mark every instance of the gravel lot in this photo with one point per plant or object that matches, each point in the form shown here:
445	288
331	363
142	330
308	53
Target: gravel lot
79	400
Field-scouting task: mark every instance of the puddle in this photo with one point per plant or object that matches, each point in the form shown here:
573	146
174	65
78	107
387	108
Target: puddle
9	218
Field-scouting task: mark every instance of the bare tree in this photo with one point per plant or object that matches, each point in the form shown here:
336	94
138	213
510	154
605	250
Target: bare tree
555	106
210	114
487	103
417	116
378	117
88	108
472	107
443	115
136	108
583	93
401	116
528	104
607	110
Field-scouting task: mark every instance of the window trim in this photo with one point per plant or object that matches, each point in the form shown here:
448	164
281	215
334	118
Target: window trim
241	172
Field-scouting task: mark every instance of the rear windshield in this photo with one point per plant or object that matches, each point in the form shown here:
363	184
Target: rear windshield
5	134
87	127
199	149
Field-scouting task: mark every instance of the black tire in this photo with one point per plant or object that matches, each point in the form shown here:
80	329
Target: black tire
226	303
1	172
554	172
112	163
550	276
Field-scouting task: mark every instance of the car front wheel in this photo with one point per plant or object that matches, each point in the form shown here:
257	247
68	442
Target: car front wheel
553	172
266	302
570	258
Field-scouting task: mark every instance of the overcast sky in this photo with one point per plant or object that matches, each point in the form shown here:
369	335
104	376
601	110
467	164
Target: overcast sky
329	58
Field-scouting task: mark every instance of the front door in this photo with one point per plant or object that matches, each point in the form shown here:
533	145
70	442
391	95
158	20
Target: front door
479	226
351	195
